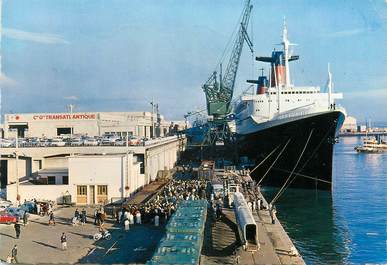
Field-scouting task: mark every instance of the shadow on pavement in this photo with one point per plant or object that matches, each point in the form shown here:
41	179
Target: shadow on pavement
82	235
135	246
6	235
45	244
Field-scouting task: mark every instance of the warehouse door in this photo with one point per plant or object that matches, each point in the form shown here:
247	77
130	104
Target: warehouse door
102	195
92	194
81	194
3	173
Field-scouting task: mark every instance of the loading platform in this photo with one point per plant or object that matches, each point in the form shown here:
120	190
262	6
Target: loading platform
222	244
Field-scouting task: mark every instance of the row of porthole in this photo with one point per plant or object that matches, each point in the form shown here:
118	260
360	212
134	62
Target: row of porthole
295	92
287	100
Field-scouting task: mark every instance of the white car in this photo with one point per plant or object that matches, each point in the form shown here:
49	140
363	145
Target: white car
76	142
4	205
90	141
58	142
120	142
109	140
6	143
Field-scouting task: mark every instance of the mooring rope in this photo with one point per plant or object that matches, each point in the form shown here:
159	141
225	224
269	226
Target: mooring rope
314	151
307	161
259	182
294	168
263	161
303	175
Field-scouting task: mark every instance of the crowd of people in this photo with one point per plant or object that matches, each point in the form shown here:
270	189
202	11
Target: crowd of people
162	206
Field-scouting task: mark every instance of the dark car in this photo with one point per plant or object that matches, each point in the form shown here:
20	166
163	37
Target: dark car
6	218
15	211
28	207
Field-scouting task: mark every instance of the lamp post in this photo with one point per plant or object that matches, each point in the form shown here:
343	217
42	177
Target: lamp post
152	119
17	164
71	108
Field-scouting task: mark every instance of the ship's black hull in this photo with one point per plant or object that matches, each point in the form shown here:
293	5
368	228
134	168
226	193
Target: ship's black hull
314	169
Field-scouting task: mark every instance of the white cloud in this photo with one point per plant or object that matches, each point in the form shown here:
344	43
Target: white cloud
345	33
71	97
45	38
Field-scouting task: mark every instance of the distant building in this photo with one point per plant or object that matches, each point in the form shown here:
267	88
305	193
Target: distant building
349	125
362	128
87	179
140	124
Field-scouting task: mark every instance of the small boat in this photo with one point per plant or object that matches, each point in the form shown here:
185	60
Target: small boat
372	145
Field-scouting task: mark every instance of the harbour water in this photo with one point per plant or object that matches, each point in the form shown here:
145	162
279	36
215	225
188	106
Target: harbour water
349	225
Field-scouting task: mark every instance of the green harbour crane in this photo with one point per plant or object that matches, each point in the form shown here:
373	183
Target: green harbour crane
219	90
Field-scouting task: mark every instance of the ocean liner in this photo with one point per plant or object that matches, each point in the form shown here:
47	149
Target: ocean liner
288	131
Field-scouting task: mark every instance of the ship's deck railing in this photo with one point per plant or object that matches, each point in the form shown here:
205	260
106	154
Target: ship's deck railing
305	110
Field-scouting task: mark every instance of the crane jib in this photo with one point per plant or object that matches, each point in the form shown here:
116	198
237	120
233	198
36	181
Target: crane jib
219	94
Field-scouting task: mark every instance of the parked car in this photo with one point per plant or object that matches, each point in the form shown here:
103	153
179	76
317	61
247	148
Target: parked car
4	205
90	141
76	142
57	142
32	142
6	143
44	142
134	141
28	207
120	142
6	218
15	211
109	140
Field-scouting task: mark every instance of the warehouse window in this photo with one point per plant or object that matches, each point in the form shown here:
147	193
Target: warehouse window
102	190
51	180
81	190
60	131
65	180
20	128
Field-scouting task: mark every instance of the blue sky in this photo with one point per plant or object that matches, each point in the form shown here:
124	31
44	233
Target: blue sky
117	55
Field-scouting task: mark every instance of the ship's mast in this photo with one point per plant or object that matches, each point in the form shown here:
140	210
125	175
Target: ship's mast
1	70
285	43
329	87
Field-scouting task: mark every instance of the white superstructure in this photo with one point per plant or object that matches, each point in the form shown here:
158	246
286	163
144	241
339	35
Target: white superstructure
277	100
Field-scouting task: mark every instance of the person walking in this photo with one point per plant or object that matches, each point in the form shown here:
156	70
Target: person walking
157	220
17	230
25	218
84	216
272	212
259	204
51	219
63	241
96	214
38	208
126	215
120	216
138	217
14	254
131	218
126	224
76	213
